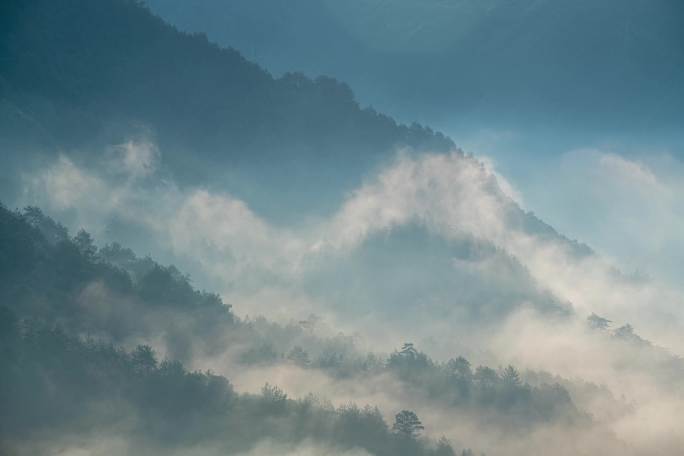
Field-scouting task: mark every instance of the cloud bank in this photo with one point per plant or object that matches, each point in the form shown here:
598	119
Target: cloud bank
263	268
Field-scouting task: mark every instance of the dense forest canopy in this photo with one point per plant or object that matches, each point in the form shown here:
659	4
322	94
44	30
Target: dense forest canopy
60	336
81	320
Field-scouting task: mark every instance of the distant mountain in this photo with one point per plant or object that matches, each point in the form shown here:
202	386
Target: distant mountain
499	62
79	75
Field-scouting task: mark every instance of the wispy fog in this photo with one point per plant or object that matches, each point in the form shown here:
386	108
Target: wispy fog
484	279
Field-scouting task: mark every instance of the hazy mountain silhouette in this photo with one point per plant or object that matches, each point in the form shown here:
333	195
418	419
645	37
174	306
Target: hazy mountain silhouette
496	62
100	72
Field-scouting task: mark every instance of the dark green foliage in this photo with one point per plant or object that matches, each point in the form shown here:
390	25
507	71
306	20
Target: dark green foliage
454	382
407	424
57	381
77	285
514	402
53	384
72	282
408	361
52	231
84	243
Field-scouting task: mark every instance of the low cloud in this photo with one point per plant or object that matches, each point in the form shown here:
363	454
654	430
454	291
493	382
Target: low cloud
453	197
263	268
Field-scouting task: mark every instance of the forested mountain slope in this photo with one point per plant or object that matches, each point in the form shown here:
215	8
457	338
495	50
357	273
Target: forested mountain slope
80	320
99	73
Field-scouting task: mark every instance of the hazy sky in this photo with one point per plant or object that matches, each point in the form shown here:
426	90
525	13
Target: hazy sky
621	195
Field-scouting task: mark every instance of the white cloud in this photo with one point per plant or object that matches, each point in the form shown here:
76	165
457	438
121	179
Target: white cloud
629	172
267	448
64	186
451	196
135	158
